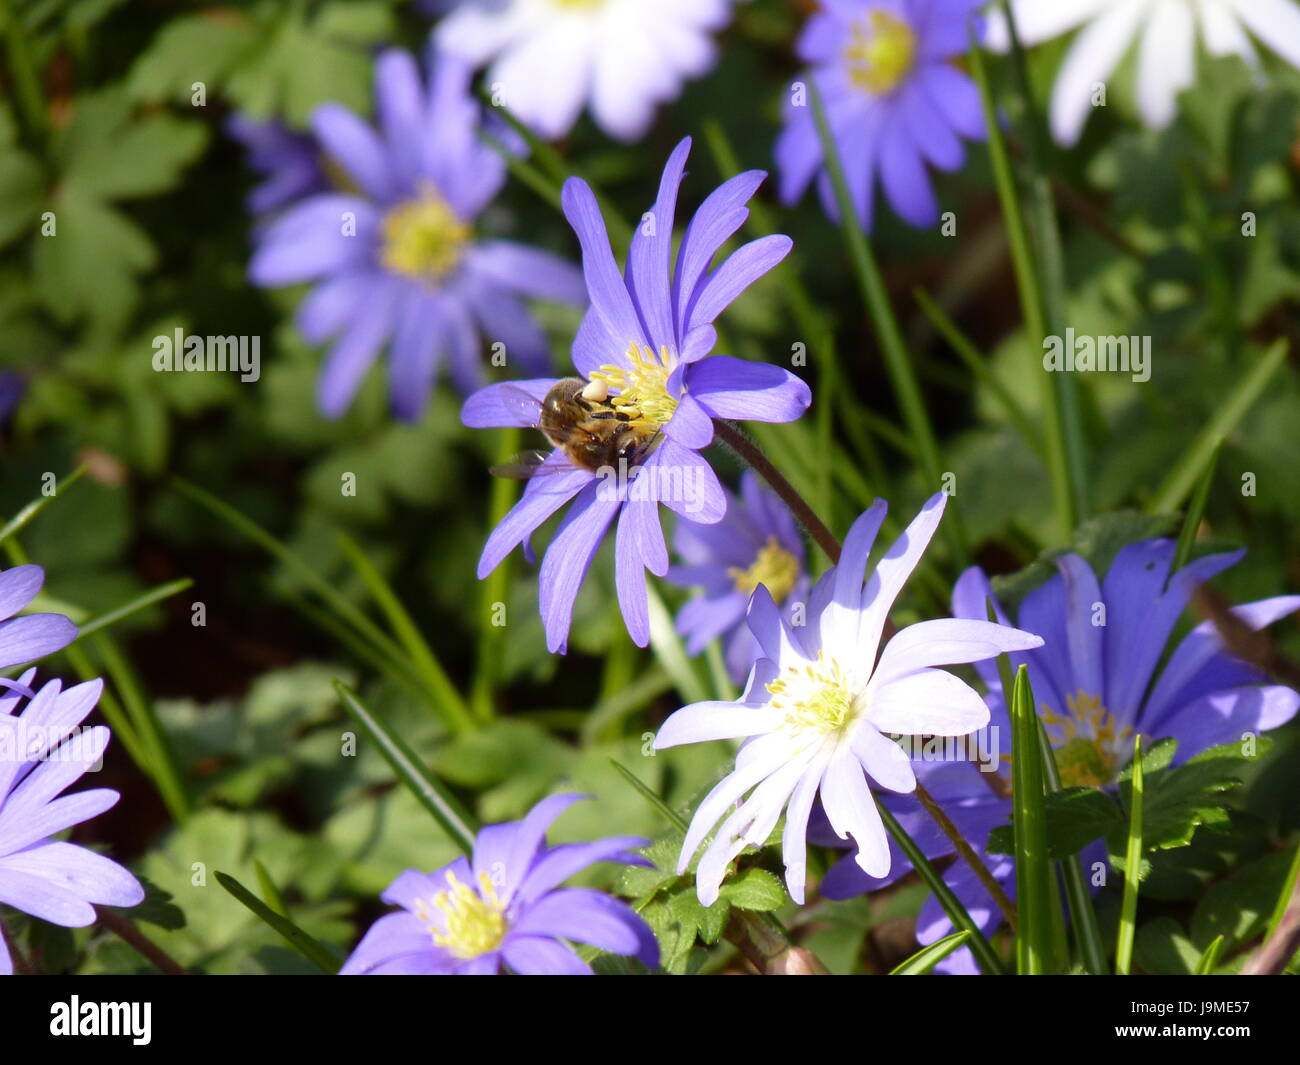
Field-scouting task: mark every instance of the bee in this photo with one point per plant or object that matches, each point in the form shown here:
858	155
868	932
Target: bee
578	418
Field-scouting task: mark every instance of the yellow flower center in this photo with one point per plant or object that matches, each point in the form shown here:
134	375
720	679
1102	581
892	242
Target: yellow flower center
814	698
423	238
642	390
1091	746
579	5
880	52
475	920
774	567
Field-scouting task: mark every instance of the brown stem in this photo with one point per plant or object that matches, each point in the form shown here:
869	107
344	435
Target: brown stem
762	465
147	948
968	854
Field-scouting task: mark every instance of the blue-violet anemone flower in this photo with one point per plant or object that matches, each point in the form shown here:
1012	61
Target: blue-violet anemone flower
642	349
1097	683
43	751
756	542
396	262
819	710
503	907
32	636
895	103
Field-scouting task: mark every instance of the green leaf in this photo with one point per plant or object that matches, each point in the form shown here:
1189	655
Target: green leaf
144	158
706	922
1074	816
88	266
755	889
198	48
927	958
1181	798
22	192
1239	907
1163	948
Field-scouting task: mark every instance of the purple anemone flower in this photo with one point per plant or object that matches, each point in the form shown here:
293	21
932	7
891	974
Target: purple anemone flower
32	636
290	162
43	751
503	907
819	711
396	262
1103	643
642	347
756	542
894	102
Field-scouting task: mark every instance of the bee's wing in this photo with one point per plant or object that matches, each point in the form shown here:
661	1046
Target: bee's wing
520	402
528	464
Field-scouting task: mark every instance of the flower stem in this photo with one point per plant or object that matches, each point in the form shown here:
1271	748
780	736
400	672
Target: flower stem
144	946
749	453
968	855
744	447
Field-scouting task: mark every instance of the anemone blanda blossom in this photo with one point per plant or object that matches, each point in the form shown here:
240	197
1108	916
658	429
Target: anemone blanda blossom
503	907
819	710
1166	34
895	103
29	637
623	57
396	263
290	162
644	340
42	753
756	542
1090	682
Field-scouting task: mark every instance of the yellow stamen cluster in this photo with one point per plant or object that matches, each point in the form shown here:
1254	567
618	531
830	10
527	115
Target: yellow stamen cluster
774	568
475	920
423	238
814	698
578	5
643	389
881	51
1092	744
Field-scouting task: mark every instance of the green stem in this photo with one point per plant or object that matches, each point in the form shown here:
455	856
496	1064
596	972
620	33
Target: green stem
898	361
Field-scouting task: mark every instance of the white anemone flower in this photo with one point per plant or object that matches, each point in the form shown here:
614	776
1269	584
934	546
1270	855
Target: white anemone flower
1165	32
819	709
549	57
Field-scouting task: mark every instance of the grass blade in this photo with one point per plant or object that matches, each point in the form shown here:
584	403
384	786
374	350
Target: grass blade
442	693
1064	493
18	521
1132	868
1195	511
428	789
1197	458
1205	967
1035	941
308	946
140	602
651	796
927	958
985	955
